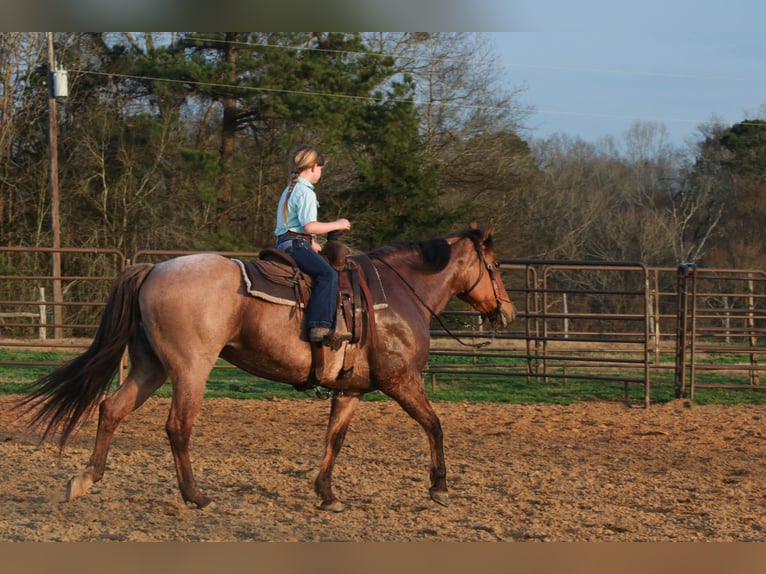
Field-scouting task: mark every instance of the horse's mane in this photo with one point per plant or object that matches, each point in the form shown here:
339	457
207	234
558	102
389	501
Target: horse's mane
430	255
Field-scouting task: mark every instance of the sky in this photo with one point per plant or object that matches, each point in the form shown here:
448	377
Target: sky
596	85
597	80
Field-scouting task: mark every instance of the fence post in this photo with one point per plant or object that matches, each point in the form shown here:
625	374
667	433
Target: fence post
43	332
686	271
754	377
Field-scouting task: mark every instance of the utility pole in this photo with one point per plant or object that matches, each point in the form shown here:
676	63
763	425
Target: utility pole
58	311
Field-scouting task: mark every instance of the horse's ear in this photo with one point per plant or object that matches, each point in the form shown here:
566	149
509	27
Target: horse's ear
488	231
473	224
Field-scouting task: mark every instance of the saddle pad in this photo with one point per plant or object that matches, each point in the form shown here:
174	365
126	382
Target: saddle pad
259	281
283	293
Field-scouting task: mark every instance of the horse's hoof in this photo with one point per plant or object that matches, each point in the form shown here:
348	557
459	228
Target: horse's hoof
440	497
332	506
77	485
70	491
199	502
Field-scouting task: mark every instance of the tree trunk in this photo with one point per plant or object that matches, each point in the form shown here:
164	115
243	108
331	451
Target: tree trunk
229	129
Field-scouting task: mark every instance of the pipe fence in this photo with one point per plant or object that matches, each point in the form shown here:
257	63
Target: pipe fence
618	323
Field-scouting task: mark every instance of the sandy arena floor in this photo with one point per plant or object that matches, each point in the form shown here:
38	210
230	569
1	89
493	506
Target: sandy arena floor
589	472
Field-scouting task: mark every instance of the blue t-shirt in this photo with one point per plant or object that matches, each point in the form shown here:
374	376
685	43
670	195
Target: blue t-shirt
301	209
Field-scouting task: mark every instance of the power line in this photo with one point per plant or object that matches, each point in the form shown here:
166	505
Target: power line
292	92
616	72
531	109
434	59
521	109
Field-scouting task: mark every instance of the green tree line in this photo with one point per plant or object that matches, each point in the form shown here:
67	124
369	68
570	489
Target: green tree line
180	141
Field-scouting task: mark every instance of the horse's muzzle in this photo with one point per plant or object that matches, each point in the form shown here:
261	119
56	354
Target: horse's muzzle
501	318
506	319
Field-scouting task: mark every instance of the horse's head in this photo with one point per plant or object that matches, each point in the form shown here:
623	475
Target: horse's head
484	289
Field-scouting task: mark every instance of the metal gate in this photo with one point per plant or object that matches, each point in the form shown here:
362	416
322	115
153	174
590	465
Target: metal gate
575	320
721	329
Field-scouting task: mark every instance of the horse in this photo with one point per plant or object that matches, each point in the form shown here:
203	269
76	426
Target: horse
177	317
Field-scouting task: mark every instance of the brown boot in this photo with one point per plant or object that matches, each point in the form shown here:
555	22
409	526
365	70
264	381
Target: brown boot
318	334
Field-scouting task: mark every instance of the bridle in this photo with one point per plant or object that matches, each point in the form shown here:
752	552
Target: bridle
490	270
490	267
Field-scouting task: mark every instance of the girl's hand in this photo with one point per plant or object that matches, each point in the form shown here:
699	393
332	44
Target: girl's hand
343	224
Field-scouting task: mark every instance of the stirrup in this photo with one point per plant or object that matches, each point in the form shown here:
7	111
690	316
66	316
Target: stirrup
334	340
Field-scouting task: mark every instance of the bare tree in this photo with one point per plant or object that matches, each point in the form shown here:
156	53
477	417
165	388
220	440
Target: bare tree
562	215
21	106
116	174
695	215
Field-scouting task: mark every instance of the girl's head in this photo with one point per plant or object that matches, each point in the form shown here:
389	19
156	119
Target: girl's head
305	157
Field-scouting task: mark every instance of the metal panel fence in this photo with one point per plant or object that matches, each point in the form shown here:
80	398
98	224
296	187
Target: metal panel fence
27	310
721	329
611	322
576	320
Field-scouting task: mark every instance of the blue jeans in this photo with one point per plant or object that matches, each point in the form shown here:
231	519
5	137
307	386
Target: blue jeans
322	306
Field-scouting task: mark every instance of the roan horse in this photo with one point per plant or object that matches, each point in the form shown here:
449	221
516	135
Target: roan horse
177	317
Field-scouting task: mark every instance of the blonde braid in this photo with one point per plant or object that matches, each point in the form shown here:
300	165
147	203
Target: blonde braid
293	181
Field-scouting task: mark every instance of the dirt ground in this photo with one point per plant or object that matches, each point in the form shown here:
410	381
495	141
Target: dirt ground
589	472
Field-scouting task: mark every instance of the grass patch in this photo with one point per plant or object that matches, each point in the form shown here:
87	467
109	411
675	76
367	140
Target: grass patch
503	389
226	381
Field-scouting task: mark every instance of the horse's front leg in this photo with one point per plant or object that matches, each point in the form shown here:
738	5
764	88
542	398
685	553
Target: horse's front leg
411	396
341	413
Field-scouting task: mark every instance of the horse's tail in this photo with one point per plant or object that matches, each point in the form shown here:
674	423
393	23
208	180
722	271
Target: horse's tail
65	398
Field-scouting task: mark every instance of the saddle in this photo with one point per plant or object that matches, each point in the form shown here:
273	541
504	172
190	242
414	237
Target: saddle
276	277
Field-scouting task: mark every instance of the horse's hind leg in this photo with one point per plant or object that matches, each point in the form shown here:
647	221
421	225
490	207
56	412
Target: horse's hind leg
341	413
146	376
188	393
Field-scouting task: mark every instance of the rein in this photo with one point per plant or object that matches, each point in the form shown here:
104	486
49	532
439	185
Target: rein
433	313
